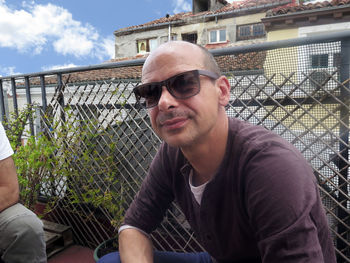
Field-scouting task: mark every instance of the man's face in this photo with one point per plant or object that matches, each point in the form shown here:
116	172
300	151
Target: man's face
181	122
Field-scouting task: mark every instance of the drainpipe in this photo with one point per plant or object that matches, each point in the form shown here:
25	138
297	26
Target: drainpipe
169	36
169	29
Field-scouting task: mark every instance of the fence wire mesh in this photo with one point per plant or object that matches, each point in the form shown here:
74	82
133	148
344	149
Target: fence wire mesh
299	92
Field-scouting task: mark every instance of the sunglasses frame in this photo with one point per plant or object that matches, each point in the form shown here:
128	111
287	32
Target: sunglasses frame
196	72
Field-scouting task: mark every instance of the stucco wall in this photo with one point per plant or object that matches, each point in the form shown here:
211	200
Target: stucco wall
282	34
125	46
288	61
248	19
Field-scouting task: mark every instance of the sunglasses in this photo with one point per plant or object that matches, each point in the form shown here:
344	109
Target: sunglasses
181	86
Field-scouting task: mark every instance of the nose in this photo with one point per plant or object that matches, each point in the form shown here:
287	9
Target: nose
166	100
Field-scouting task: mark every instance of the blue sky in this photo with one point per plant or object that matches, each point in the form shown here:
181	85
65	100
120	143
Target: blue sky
48	34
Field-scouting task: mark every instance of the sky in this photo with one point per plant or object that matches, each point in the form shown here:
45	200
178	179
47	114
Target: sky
40	35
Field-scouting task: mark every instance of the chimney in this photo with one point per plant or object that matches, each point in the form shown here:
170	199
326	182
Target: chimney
200	6
207	5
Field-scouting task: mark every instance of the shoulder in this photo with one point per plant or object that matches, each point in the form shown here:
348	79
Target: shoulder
171	156
167	162
251	139
264	156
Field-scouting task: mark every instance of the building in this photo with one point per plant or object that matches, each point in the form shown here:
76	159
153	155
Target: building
212	24
320	62
301	20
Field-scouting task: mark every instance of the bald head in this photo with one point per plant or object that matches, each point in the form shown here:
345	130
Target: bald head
178	54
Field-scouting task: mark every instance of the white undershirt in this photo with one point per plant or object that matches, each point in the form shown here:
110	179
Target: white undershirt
197	192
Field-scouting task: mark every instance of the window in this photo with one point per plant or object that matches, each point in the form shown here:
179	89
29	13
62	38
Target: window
153	43
250	31
319	61
165	39
337	60
146	45
217	36
319	74
192	37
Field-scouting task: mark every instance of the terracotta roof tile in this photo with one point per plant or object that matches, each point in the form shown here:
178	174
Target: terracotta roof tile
293	8
241	62
133	72
241	5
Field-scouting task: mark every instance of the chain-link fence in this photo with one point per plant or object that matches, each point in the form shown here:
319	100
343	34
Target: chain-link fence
298	89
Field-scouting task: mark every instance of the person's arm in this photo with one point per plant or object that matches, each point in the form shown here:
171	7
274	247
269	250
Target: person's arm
134	246
9	190
147	211
285	210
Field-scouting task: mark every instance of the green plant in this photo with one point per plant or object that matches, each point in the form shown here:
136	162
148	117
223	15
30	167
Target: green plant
75	155
88	166
34	157
34	161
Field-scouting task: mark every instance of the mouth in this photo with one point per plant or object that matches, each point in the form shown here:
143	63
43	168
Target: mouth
174	123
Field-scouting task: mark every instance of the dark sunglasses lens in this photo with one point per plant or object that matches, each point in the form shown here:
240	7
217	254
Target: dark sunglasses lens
185	85
148	95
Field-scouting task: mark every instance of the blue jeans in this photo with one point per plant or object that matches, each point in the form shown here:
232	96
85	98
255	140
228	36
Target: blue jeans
165	257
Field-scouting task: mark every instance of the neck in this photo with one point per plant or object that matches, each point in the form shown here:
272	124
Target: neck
207	155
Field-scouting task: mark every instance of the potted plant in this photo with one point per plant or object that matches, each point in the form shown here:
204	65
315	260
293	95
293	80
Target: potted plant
94	191
106	247
33	157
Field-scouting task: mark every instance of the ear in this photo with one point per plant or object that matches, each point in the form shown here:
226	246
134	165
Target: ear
224	88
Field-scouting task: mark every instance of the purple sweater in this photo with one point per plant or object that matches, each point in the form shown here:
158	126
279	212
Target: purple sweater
262	205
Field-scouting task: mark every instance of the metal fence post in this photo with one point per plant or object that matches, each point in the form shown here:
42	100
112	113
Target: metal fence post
43	92
61	95
344	146
15	103
2	102
29	101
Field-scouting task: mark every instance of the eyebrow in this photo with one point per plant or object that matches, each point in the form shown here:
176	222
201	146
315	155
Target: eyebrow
203	72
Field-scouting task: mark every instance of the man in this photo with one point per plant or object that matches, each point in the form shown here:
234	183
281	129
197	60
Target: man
248	194
21	232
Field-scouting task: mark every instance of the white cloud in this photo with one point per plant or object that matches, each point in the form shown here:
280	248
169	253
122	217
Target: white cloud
106	47
34	27
181	6
74	44
8	71
53	67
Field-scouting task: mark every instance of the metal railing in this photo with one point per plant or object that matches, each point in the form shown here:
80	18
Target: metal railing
297	88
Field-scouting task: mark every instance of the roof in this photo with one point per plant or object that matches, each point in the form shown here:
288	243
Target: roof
227	63
311	14
233	8
294	8
121	73
241	62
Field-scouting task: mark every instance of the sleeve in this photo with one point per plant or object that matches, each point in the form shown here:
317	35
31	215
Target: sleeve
155	196
5	147
283	206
